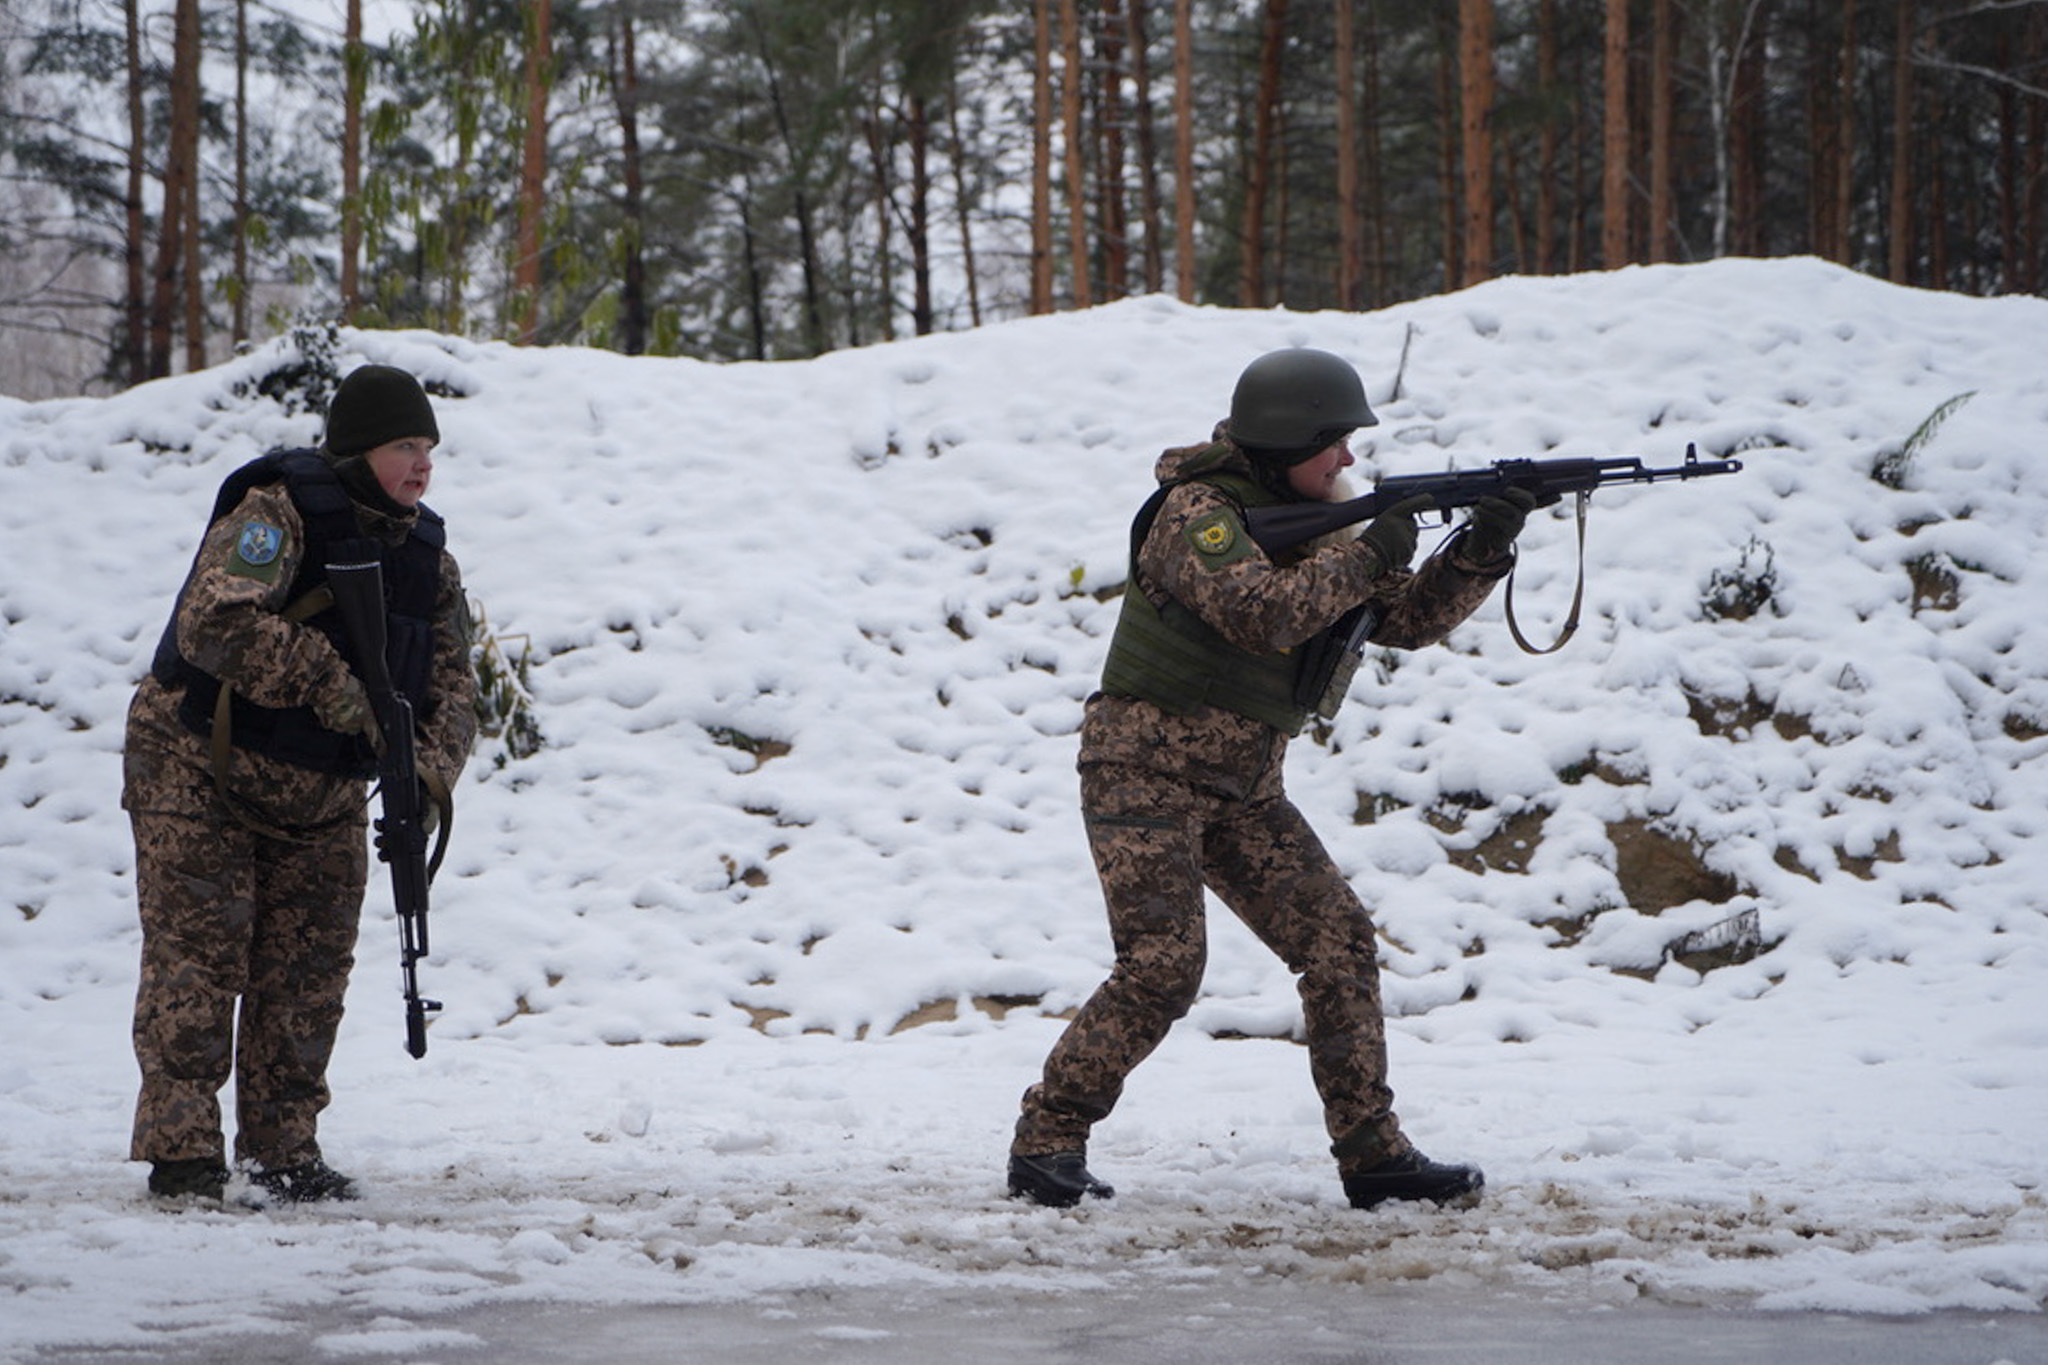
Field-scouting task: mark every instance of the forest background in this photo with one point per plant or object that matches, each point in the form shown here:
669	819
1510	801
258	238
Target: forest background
766	179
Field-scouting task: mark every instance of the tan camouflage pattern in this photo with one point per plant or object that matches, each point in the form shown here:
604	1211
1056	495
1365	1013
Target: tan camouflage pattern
230	917
1174	804
233	918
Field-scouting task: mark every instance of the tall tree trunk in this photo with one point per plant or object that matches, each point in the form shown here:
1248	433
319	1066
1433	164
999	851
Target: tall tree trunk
2008	177
180	173
1938	263
133	362
750	260
1077	183
470	85
1372	177
852	205
1546	139
881	159
1900	259
1727	33
1614	234
1113	217
633	266
1151	211
1824	131
1845	162
1041	160
1184	150
2034	174
1585	194
1747	234
1450	201
1252	276
239	289
1475	119
1281	213
1511	201
963	199
533	168
1349	252
1663	97
816	338
919	229
192	291
355	65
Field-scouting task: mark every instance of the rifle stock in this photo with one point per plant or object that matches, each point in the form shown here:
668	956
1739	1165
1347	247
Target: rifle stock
357	580
1278	529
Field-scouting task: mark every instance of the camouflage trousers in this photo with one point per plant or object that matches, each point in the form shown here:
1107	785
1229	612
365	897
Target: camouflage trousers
1156	843
231	918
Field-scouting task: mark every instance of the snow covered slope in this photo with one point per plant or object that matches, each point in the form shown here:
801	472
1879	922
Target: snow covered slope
808	644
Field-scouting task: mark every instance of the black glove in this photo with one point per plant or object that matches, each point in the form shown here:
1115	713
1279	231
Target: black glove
1496	521
1392	533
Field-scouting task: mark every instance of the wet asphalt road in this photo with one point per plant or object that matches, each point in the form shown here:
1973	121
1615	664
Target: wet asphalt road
1272	1322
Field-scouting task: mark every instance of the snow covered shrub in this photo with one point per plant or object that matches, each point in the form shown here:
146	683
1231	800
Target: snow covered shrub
306	373
1741	592
1935	585
758	747
504	695
2022	726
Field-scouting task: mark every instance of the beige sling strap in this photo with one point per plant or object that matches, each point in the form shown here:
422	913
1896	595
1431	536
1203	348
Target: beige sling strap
223	745
1571	620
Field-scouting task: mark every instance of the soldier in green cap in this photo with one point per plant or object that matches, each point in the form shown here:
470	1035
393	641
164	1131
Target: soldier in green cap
1220	655
244	776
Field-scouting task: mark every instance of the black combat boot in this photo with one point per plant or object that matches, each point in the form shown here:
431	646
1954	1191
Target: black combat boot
313	1182
1413	1176
199	1177
1057	1180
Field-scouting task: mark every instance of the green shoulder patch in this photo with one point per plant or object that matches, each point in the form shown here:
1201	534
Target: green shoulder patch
1218	539
259	551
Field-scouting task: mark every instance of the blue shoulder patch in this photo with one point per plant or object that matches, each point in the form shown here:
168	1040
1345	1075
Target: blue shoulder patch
259	543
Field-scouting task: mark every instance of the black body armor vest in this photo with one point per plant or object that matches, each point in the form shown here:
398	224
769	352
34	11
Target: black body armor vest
412	584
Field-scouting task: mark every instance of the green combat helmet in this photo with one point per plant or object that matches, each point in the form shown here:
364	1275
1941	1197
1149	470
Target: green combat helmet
1297	401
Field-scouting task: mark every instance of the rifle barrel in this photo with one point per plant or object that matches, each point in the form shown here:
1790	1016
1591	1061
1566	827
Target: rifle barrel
1281	528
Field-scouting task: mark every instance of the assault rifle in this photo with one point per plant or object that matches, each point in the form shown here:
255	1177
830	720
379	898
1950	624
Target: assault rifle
1277	529
1282	528
357	581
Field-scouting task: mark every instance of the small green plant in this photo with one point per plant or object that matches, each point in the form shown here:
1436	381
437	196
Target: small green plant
1741	592
504	695
1894	466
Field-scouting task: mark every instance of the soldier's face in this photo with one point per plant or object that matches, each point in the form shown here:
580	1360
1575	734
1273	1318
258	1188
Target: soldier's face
1316	477
404	468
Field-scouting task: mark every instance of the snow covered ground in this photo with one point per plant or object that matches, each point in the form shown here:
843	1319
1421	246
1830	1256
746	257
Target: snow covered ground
745	968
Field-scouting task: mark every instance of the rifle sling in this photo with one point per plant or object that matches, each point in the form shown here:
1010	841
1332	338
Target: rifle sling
1571	620
444	799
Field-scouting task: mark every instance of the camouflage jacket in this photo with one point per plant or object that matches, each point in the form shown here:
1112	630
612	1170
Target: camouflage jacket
1264	607
231	625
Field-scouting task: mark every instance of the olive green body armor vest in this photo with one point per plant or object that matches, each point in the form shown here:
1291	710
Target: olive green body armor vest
1172	658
